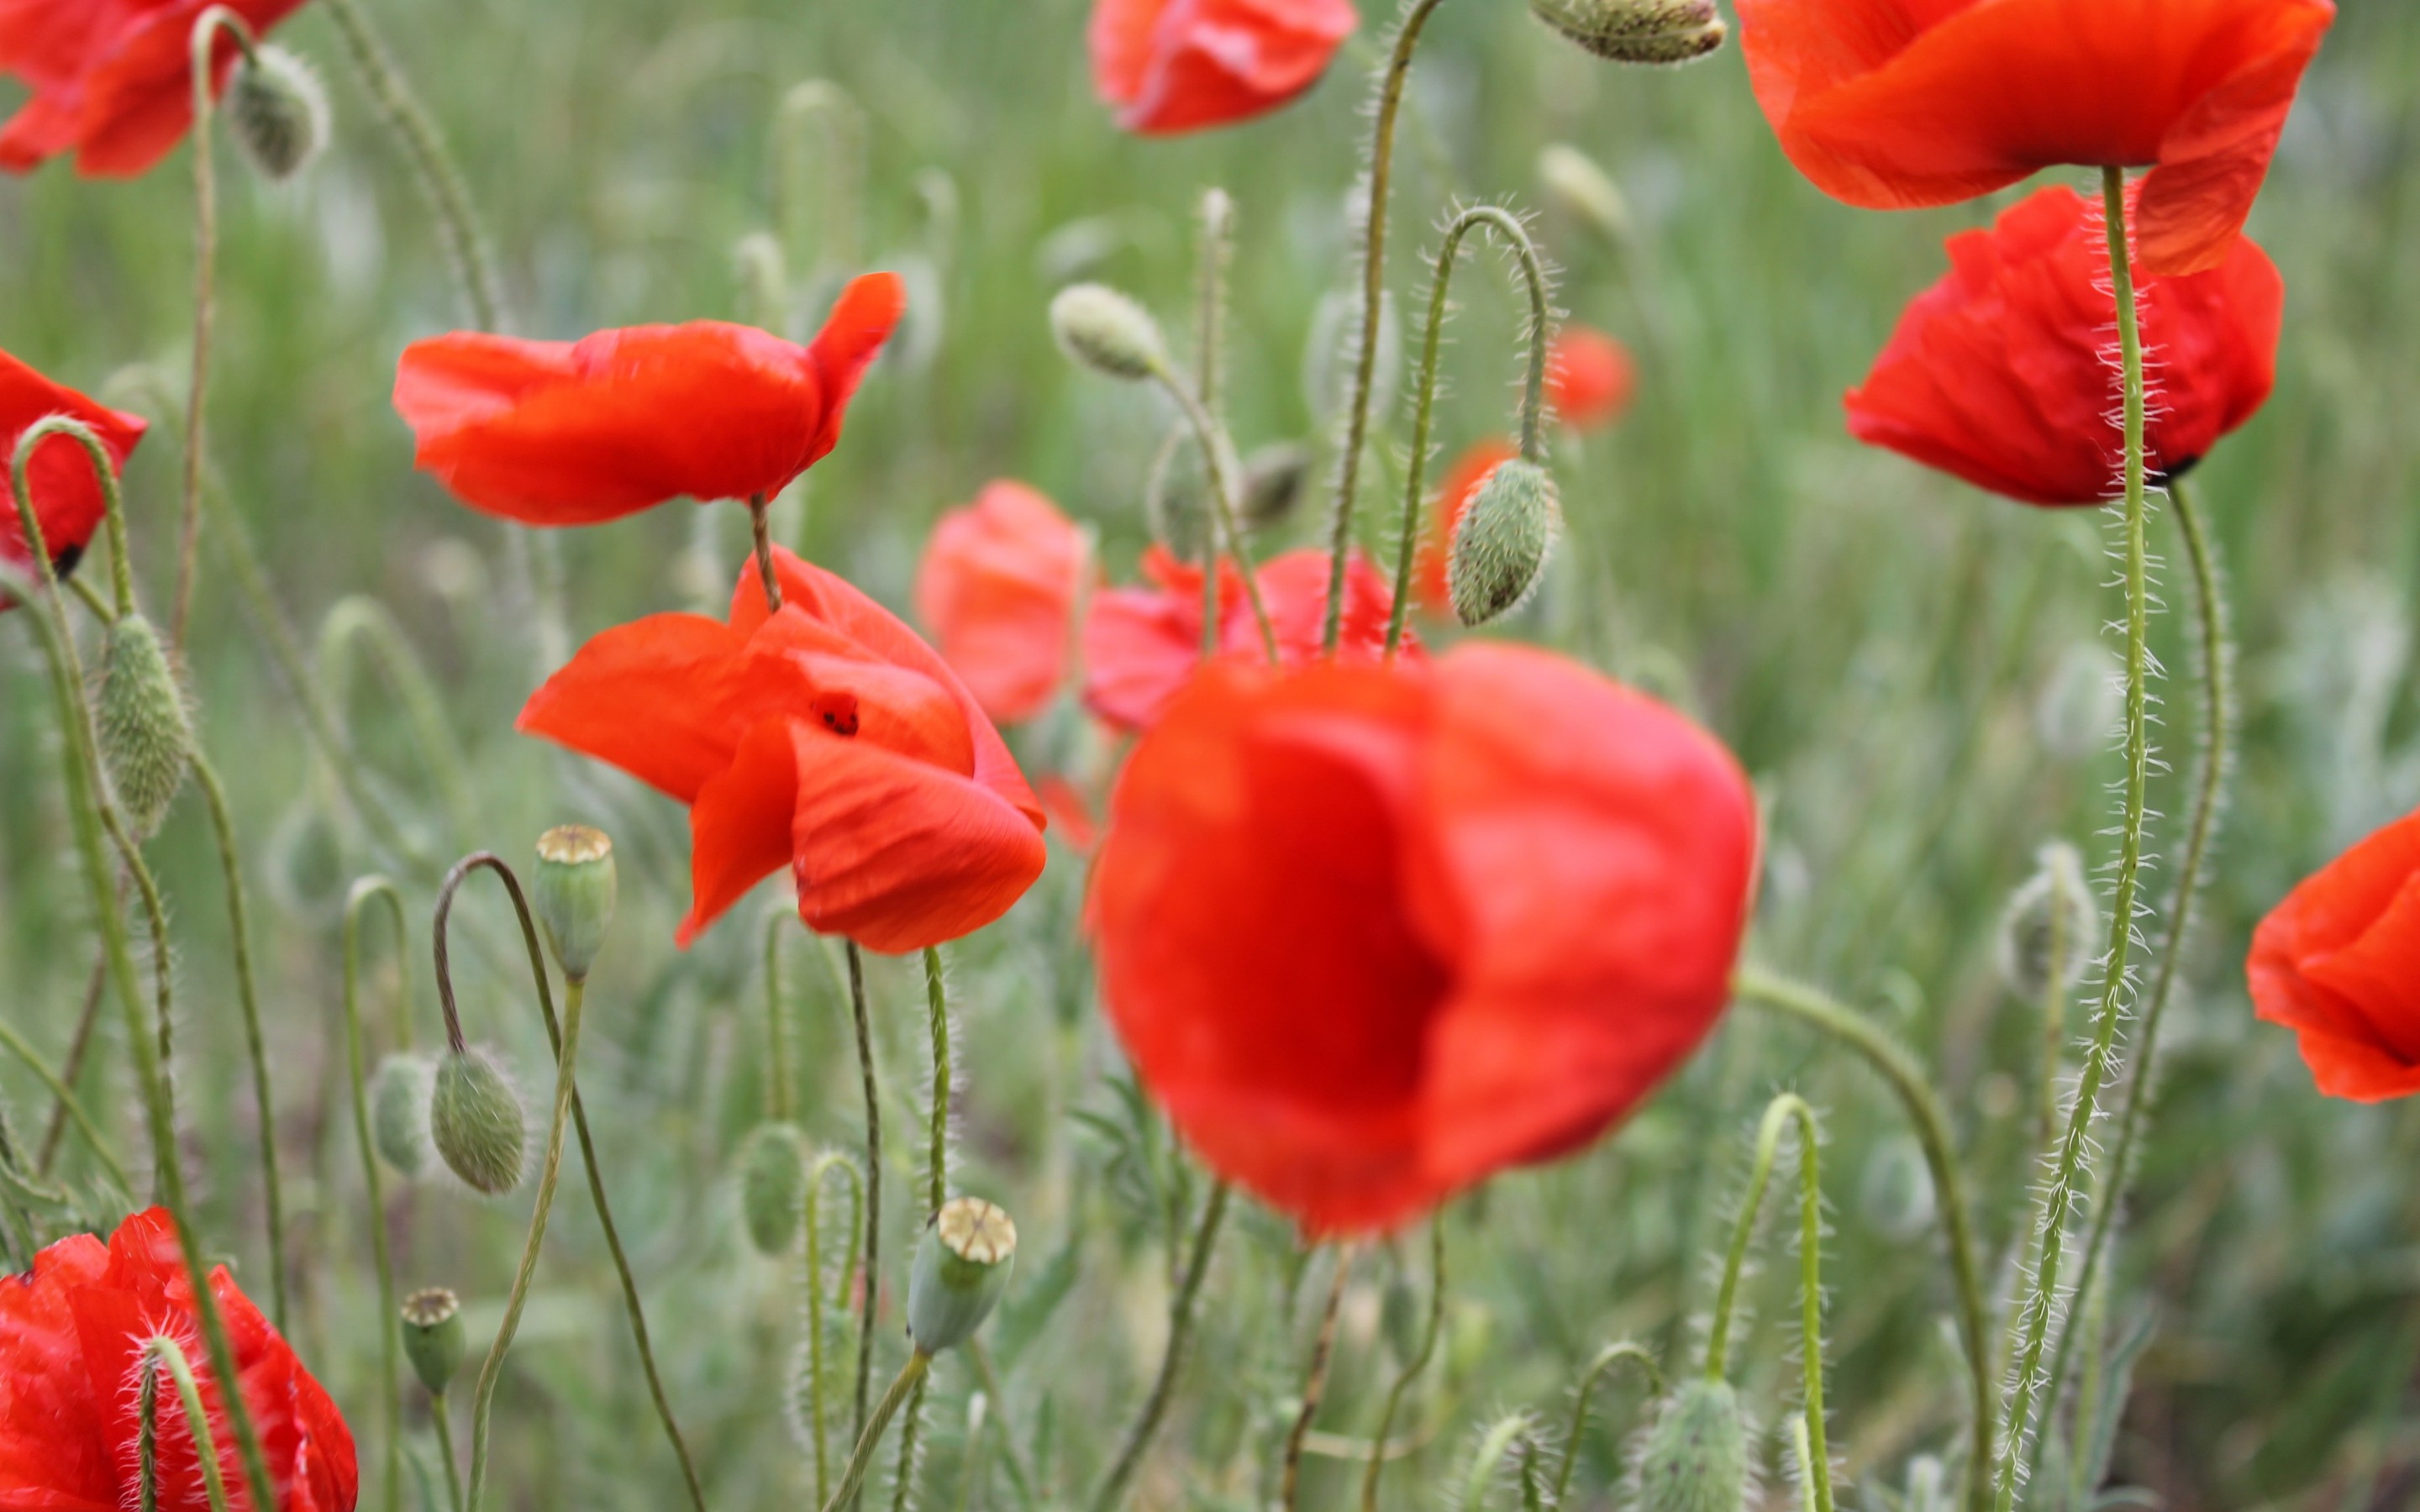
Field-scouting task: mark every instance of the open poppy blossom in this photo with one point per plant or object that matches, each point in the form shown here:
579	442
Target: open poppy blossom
825	737
1459	487
1589	378
2338	963
112	80
2000	374
67	496
998	588
1891	104
1372	934
1172	65
1141	643
578	433
72	1331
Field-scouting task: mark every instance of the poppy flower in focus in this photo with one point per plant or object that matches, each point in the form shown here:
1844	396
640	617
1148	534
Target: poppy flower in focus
1589	378
1890	105
998	588
1459	487
1372	934
824	736
1170	66
112	80
73	1330
2338	963
67	496
1142	643
2000	372
578	433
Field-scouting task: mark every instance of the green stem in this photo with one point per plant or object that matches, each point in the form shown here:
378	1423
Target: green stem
936	1183
70	1109
1533	1490
1225	512
439	1415
1020	1475
203	46
363	620
777	1052
2054	1016
824	1166
1314	1384
860	1459
1412	1368
871	1268
79	1046
760	521
365	892
1181	1308
1607	1358
165	1353
1218	246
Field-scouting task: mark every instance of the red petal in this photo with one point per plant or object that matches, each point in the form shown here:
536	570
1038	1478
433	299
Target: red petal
67	496
1208	62
2323	963
998	586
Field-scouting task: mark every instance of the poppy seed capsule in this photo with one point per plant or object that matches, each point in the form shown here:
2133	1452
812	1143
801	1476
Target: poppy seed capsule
146	735
1108	332
2050	926
433	1338
574	895
961	1268
475	1120
1638	31
773	1187
1696	1457
399	1095
278	111
1501	541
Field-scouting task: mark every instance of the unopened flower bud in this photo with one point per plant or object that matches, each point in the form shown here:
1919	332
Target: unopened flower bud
433	1340
2051	927
1108	332
399	1095
1585	190
475	1120
961	1268
1694	1459
278	112
1500	544
147	734
574	895
773	1187
1273	483
1638	31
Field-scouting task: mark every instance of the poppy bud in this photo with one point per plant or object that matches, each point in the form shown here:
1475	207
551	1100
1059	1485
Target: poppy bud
1585	190
1108	332
1273	480
773	1187
147	736
399	1095
1501	542
1638	31
574	896
433	1340
961	1268
278	112
475	1120
2050	926
1696	1457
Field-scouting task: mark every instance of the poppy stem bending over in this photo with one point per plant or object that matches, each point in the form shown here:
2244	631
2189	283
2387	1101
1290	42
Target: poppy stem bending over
1221	454
204	40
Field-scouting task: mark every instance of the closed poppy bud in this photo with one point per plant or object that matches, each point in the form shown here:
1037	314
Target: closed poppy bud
433	1338
146	733
399	1095
1694	1459
773	1187
475	1120
1500	545
2337	961
1108	332
2048	931
277	110
961	1266
1638	31
575	893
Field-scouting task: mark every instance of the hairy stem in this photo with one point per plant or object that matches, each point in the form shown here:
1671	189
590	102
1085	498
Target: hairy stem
203	53
1412	1368
256	1044
1607	1358
937	1191
164	1353
365	892
1314	1384
1225	510
870	1271
70	1110
1181	1307
860	1459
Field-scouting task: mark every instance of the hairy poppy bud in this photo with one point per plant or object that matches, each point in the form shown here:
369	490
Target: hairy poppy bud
1638	31
2050	926
1108	332
1273	480
475	1120
961	1268
146	735
399	1095
1585	190
574	896
1500	544
433	1338
1696	1457
278	112
773	1186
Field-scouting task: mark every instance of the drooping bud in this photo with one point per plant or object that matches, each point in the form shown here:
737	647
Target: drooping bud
1501	541
399	1095
773	1187
147	734
1696	1457
961	1268
433	1338
1273	483
1108	332
1585	190
2052	925
574	894
1176	499
1638	31
475	1120
277	110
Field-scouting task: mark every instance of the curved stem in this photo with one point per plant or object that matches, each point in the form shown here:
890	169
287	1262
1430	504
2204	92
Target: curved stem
870	1271
1181	1308
860	1459
79	1045
70	1109
163	1353
1607	1358
365	892
760	522
203	46
1314	1382
777	1051
1225	511
1412	1368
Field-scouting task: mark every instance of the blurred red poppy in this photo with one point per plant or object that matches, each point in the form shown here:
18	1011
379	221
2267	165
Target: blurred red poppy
1460	486
2001	372
826	737
1142	643
1892	104
1589	378
67	496
1182	65
1071	812
112	80
73	1330
2338	963
1372	934
578	433
998	588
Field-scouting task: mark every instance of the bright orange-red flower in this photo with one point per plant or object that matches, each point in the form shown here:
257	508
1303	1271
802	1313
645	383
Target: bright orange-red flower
2338	963
825	737
577	433
1897	103
1142	643
1589	378
67	496
1460	486
1182	65
72	1331
1372	934
112	80
998	588
2000	373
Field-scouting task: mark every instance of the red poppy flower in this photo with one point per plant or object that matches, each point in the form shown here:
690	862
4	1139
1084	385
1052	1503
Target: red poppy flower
2001	373
998	588
1589	378
1182	65
112	80
1460	486
1372	934
578	433
825	737
2338	963
67	496
1892	104
1142	643
72	1331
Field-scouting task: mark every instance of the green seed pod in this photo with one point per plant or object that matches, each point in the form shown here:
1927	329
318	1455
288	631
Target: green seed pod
773	1186
1273	483
475	1120
1500	544
433	1340
399	1095
1585	190
961	1268
277	110
1638	31
574	895
1696	1455
2051	927
147	734
1108	332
